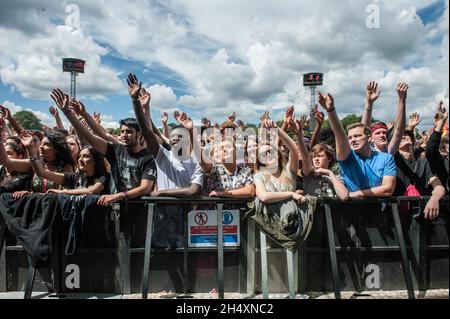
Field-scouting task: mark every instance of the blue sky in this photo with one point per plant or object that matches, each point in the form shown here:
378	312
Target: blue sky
210	59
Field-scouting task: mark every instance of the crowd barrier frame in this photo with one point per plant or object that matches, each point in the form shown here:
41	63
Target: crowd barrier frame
247	248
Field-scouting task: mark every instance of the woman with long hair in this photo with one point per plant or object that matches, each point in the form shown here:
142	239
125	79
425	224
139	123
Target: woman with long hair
74	146
91	176
53	151
275	178
11	181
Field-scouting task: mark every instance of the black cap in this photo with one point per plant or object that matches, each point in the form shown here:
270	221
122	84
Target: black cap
130	122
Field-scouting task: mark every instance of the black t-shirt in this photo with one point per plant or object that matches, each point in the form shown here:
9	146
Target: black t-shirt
127	169
78	180
17	181
406	175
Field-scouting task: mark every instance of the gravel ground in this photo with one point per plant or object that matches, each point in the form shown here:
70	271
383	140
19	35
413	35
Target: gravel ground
394	294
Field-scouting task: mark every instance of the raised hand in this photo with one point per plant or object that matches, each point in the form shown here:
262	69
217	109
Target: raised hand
326	101
414	120
441	113
144	97
97	118
206	122
390	124
61	99
288	115
319	116
164	117
241	124
265	116
27	139
77	106
134	86
177	116
402	91
231	117
5	112
267	123
53	111
371	92
303	121
186	121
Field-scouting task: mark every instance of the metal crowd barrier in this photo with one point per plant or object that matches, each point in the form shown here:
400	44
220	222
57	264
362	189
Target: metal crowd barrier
419	246
152	204
247	249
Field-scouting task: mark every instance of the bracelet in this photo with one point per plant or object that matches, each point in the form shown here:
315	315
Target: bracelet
125	195
333	109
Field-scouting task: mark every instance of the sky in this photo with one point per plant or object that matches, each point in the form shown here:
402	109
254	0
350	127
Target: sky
210	58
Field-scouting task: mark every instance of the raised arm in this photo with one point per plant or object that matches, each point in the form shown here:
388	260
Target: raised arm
134	89
320	117
7	114
440	118
62	101
54	112
297	127
400	120
17	165
37	164
288	117
414	120
202	158
371	96
164	119
80	109
286	140
342	145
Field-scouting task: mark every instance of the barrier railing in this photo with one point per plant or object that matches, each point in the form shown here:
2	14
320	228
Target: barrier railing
331	206
392	204
152	204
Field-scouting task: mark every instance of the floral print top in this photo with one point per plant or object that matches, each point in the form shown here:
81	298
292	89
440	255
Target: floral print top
218	178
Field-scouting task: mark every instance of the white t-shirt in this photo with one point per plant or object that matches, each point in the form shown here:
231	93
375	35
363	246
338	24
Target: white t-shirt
175	174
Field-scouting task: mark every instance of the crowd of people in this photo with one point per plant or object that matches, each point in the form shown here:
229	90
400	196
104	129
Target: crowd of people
273	163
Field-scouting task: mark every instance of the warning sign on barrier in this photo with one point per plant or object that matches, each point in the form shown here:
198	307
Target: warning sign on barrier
202	226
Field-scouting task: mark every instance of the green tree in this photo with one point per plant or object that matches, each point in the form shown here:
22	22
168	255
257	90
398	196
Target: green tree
28	120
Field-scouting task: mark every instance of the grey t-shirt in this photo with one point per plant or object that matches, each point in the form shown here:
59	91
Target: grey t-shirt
175	174
320	186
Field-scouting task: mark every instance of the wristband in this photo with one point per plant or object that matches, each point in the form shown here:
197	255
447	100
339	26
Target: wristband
333	109
125	195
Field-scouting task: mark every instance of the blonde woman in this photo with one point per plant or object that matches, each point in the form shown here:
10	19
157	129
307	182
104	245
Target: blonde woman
274	178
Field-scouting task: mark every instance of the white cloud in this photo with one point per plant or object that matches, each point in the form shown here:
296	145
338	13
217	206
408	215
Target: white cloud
108	121
31	61
241	56
162	97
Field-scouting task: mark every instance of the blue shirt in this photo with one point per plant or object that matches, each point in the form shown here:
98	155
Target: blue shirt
364	173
